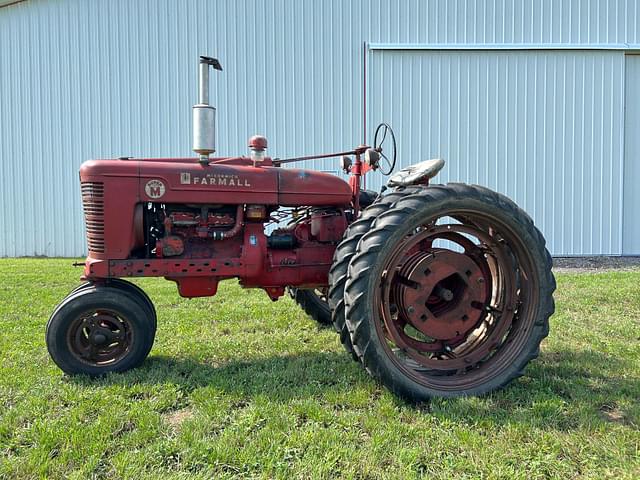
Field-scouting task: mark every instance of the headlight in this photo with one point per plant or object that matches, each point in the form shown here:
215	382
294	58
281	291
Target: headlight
371	158
345	163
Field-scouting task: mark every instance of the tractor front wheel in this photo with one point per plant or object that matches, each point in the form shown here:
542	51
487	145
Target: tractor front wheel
100	329
449	293
137	292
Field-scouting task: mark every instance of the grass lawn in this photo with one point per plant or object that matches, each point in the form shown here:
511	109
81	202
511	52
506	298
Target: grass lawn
238	386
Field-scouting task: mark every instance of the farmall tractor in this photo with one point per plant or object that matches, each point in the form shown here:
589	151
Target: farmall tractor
437	290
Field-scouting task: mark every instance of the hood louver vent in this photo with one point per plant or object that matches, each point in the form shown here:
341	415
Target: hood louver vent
93	205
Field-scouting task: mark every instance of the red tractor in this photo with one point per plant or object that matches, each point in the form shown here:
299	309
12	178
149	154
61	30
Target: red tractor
438	290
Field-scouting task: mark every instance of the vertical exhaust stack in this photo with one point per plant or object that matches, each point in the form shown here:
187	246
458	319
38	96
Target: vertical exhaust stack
204	115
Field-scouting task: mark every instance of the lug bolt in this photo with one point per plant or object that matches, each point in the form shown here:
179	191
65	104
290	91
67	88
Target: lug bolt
411	310
481	280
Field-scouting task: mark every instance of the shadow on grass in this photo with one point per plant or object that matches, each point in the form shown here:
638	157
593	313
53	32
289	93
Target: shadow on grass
560	390
280	378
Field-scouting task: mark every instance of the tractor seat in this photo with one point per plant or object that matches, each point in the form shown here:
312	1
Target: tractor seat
417	173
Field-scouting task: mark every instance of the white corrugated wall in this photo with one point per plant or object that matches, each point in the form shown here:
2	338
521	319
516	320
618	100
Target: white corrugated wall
87	79
543	127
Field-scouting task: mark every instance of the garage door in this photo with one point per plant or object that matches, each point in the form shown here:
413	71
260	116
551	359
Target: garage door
543	127
631	197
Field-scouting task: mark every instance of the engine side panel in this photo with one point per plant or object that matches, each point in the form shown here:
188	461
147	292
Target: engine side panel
187	181
306	187
215	183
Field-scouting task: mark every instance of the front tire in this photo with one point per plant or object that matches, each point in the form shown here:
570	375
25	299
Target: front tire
449	294
132	288
100	329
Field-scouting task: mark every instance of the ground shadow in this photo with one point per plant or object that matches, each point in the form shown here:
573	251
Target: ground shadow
560	390
280	377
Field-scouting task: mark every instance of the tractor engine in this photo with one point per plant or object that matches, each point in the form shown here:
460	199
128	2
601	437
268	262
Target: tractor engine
318	225
204	231
173	229
197	245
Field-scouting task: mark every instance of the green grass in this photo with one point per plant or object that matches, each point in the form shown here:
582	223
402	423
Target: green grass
238	386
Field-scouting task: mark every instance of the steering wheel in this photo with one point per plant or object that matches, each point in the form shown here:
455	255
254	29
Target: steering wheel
378	140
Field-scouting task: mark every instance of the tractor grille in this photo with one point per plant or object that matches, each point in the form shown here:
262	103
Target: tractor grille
93	205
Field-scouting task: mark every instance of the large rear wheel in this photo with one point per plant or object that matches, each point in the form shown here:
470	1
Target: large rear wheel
450	293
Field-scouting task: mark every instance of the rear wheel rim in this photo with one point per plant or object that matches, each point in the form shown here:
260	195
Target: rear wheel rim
454	320
100	337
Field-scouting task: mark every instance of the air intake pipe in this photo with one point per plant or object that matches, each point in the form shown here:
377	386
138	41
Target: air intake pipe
204	115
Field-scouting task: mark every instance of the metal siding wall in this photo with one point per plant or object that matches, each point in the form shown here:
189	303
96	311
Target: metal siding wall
631	219
544	128
87	79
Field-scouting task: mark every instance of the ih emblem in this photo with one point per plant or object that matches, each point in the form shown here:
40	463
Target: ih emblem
154	189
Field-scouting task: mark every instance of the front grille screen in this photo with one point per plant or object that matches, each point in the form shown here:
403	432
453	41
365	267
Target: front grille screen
93	205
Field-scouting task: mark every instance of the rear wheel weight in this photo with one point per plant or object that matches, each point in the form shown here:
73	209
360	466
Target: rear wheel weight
449	294
344	253
98	330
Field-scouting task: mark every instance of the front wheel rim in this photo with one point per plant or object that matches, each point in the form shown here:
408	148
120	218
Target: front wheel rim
100	337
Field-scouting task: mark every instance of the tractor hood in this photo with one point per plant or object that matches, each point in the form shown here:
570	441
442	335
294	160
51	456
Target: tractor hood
226	180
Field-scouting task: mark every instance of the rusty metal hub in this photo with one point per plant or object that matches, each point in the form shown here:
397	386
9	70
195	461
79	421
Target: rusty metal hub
441	293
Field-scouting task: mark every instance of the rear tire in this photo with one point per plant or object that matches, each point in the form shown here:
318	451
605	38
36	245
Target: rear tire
314	303
100	329
503	291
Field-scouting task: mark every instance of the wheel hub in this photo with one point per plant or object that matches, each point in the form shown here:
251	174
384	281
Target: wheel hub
441	293
98	339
